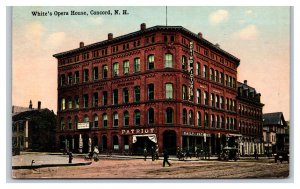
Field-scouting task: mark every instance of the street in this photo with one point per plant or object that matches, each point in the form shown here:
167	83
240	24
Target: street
138	168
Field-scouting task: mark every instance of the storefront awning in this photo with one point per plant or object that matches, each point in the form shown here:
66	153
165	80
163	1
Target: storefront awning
151	137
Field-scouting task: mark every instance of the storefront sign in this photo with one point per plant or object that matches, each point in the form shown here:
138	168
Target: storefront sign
137	131
191	71
85	125
185	133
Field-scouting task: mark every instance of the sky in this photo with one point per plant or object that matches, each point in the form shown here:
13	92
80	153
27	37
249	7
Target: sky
258	36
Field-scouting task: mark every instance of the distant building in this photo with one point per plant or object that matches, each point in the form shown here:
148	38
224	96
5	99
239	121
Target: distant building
250	119
275	133
33	129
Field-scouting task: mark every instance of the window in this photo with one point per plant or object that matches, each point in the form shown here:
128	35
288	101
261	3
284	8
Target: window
95	100
69	78
151	116
137	117
69	123
125	95
69	103
172	38
191	118
115	119
76	79
184	63
76	121
151	92
104	71
212	119
137	94
222	122
212	98
221	77
150	62
217	121
169	115
212	74
198	96
198	119
168	60
115	69
115	96
85	75
233	83
104	118
222	102
62	124
165	38
230	81
197	68
230	104
85	101
153	39
125	118
217	101
126	67
206	120
169	91
184	116
226	80
62	80
104	98
63	104
85	119
95	73
76	102
95	123
137	63
227	104
205	98
205	72
184	92
216	75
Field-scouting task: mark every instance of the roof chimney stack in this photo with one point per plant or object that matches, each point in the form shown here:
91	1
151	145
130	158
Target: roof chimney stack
143	26
199	35
245	82
110	36
39	105
81	44
30	104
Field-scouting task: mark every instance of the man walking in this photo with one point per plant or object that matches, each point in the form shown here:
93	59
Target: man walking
145	153
166	156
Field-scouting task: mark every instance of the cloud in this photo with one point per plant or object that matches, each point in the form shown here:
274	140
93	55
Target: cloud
218	16
56	39
249	33
34	33
95	20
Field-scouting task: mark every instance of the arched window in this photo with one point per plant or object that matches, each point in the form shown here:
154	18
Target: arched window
151	62
205	120
69	103
198	119
184	62
104	71
184	92
115	119
212	98
151	116
115	69
126	67
85	75
115	142
137	65
217	121
197	68
169	91
216	75
198	96
104	118
137	117
125	118
63	104
191	118
69	123
95	123
217	101
169	115
62	80
212	120
85	119
168	60
184	116
212	74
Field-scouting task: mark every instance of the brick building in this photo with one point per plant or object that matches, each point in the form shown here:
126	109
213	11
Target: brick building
162	84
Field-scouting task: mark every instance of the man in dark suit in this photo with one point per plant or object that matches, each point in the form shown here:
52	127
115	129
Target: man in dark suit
166	156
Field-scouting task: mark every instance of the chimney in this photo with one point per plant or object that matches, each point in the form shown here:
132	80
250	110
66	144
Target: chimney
143	26
245	82
81	44
199	35
30	104
109	36
39	105
217	45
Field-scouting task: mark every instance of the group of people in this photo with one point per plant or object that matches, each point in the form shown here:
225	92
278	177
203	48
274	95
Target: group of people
155	155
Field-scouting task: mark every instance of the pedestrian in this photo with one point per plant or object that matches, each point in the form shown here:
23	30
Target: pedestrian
96	153
70	157
166	156
156	152
153	153
145	153
255	154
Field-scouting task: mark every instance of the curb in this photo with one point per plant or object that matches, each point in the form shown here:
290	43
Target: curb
49	165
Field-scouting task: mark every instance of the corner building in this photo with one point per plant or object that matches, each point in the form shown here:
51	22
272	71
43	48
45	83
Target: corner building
161	85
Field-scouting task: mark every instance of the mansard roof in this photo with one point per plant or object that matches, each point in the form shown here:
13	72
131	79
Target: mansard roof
275	118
